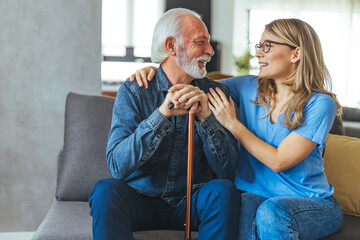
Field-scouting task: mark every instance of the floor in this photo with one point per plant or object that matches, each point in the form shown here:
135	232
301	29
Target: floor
16	235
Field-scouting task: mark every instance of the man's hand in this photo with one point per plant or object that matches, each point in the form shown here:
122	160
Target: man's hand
188	98
177	110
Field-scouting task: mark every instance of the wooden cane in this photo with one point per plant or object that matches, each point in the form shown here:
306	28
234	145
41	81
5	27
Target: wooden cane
189	174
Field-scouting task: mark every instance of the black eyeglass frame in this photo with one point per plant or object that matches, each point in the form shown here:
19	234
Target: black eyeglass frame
263	47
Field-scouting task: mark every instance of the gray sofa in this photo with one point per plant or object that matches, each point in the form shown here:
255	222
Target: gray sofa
82	162
351	122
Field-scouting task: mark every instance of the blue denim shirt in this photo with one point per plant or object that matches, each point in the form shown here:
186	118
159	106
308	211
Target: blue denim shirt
149	152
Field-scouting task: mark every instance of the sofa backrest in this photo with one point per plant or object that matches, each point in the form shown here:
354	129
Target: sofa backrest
337	127
82	161
351	114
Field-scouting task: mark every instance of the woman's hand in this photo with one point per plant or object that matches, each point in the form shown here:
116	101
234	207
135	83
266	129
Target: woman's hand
291	151
143	75
223	109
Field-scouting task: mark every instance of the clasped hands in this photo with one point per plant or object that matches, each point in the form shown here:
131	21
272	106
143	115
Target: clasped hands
189	98
186	98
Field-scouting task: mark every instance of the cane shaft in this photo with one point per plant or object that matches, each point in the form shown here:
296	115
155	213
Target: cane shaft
189	174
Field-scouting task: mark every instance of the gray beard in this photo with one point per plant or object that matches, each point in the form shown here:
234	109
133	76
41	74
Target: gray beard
190	65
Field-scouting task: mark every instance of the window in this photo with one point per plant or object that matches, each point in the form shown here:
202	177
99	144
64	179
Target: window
258	19
336	22
127	29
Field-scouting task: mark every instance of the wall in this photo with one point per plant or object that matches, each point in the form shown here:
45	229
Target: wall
47	48
222	13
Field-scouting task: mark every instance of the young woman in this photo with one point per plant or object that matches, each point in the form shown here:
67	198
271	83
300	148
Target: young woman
286	115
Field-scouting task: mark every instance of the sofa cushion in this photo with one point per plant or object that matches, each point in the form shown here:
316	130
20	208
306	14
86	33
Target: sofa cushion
342	167
350	229
67	220
83	160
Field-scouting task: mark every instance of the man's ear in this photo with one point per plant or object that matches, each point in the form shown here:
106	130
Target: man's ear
296	56
170	46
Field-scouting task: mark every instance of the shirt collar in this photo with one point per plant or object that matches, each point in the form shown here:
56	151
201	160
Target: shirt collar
162	81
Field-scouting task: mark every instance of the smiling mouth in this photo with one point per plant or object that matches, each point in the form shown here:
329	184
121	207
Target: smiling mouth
263	64
203	63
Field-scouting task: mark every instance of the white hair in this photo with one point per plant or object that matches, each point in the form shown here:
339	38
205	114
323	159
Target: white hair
169	25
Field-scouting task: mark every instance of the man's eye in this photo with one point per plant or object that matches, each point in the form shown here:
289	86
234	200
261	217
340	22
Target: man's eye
200	42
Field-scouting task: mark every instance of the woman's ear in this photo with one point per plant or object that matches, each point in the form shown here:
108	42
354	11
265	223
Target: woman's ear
296	56
170	46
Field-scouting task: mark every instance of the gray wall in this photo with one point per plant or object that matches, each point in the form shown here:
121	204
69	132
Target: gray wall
47	48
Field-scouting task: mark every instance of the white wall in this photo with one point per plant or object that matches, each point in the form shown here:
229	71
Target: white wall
229	25
47	48
222	31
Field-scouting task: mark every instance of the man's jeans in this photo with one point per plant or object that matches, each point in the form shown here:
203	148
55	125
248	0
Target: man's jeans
288	217
118	210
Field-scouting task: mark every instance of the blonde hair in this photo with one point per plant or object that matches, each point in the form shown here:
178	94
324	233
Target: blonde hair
311	74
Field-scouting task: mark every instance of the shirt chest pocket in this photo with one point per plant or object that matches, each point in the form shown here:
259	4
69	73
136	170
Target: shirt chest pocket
162	154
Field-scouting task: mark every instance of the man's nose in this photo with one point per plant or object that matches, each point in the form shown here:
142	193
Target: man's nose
209	50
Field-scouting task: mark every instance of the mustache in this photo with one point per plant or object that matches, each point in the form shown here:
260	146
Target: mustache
204	58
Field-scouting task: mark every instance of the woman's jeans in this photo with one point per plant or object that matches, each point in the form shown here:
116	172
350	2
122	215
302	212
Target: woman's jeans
288	217
118	210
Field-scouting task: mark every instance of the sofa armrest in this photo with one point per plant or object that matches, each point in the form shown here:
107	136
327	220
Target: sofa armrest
351	114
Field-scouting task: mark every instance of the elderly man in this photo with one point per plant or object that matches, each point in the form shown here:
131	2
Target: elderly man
147	145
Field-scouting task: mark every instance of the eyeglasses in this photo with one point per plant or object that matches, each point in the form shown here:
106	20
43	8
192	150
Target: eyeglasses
266	46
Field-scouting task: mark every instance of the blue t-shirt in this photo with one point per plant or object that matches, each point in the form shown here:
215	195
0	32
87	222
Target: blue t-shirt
306	179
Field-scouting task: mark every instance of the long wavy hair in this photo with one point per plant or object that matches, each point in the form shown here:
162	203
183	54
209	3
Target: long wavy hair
311	74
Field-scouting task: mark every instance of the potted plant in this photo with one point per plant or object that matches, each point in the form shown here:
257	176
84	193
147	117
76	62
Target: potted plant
242	63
